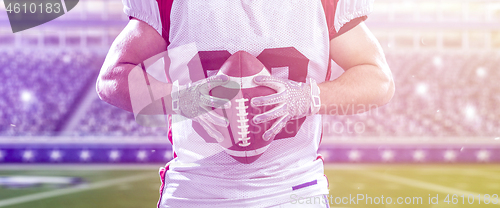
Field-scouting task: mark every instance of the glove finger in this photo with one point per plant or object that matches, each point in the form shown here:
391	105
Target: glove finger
268	99
215	118
271	82
213	82
276	128
210	129
276	112
214	102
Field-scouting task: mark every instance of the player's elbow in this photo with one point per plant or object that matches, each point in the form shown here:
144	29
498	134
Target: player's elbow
105	88
385	87
388	91
112	90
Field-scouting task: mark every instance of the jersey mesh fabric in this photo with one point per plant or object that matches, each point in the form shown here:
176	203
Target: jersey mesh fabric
145	10
203	173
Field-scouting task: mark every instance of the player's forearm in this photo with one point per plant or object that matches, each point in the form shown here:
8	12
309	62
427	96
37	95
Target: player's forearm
124	85
359	89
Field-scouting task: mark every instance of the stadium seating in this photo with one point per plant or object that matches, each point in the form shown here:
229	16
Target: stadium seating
39	88
437	95
103	119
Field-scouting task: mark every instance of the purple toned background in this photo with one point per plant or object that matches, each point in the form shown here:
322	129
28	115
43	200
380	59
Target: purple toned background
445	59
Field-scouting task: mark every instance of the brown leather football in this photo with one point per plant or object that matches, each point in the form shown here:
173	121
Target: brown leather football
242	138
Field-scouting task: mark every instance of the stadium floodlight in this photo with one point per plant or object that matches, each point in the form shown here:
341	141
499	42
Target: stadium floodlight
419	156
388	155
437	61
354	155
422	89
481	72
483	155
26	96
450	155
28	155
84	155
470	112
55	155
114	155
142	155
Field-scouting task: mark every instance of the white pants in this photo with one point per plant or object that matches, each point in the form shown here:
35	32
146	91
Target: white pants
320	201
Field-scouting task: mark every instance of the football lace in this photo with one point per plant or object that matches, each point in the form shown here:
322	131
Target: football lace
243	121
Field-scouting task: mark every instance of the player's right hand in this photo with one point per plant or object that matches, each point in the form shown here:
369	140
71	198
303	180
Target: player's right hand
194	102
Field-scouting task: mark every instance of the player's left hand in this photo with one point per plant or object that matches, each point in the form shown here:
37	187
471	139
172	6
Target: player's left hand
295	100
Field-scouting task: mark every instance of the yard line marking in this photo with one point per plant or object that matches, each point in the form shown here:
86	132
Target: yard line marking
72	190
420	184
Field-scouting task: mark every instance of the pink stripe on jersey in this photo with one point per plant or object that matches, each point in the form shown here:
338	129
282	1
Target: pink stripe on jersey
165	7
162	171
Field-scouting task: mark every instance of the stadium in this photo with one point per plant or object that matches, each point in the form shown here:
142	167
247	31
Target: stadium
436	144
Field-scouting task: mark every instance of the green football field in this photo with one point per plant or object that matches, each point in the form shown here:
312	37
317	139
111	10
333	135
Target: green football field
351	185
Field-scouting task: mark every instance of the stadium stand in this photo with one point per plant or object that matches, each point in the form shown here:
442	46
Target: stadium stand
102	119
438	95
40	88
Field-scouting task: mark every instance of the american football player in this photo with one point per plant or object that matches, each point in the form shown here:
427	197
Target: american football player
295	40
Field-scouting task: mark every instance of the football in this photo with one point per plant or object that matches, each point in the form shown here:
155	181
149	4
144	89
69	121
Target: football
243	138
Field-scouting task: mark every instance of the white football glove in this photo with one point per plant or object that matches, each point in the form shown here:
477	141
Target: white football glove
295	100
194	102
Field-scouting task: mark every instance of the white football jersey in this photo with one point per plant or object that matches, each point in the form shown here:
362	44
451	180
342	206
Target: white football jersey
291	38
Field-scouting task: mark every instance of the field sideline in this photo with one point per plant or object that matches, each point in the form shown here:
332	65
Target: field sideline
351	185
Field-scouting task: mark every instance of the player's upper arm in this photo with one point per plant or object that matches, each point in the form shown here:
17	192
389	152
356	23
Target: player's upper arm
142	37
137	42
351	43
358	50
358	46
